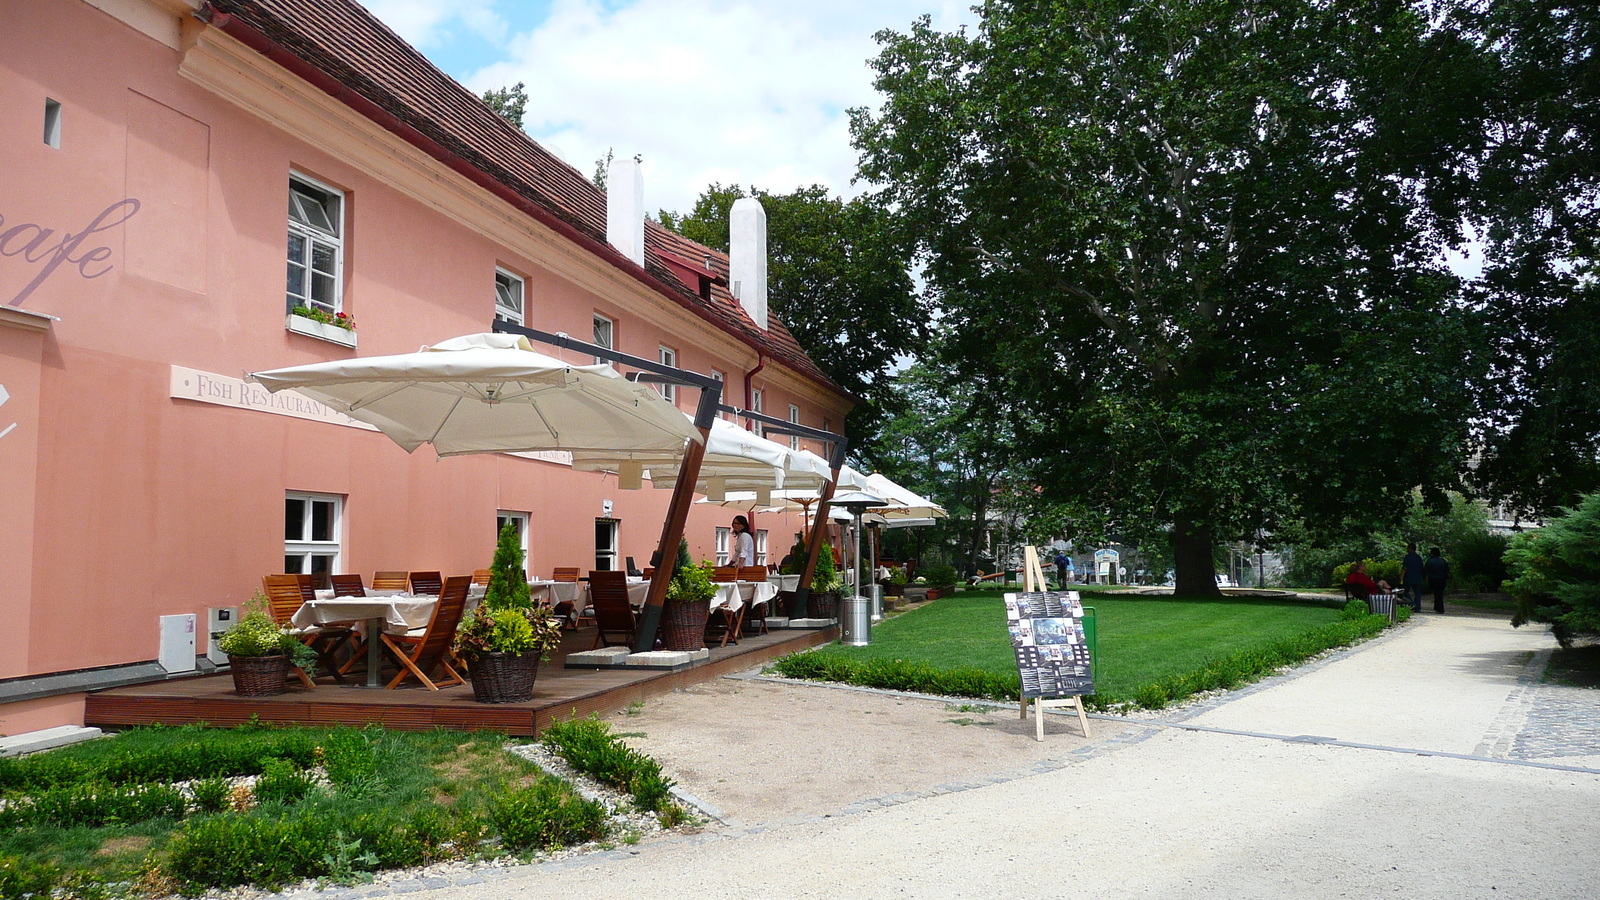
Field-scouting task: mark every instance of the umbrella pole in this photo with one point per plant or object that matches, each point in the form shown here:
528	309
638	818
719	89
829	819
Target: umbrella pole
802	594
677	517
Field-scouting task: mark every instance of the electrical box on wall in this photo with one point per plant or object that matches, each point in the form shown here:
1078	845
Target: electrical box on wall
218	620
177	643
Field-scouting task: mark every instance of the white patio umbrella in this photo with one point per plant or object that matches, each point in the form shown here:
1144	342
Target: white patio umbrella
491	393
735	460
902	504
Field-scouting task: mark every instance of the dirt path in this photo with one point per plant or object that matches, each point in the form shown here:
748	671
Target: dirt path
740	745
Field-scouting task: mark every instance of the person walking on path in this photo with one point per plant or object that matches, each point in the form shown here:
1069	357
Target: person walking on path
744	543
1411	576
1063	569
1437	572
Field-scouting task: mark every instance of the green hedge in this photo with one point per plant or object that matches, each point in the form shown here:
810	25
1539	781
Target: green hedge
589	746
220	754
1227	672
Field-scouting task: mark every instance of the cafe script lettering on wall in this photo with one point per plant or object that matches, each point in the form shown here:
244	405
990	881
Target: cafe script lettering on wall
35	245
1047	635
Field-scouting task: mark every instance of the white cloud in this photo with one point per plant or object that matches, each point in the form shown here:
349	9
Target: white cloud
423	23
706	90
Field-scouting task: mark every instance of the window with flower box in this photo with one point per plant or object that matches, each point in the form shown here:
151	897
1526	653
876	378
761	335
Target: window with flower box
316	246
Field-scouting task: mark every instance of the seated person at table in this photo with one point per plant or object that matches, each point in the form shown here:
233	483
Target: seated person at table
1358	576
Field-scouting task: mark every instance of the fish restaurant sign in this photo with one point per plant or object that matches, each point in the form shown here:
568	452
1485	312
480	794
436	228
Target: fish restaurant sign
37	245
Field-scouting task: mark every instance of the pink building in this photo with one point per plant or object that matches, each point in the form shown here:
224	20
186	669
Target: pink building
164	163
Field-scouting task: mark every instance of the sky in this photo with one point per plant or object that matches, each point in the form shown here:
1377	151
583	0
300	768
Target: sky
730	91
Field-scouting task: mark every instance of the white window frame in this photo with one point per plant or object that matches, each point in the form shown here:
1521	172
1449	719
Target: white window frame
761	546
607	562
794	419
607	339
304	545
724	535
313	235
668	357
510	286
718	376
755	406
522	519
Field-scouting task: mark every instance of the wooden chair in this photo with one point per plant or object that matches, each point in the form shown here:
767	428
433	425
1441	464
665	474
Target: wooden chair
285	595
565	573
428	583
348	586
481	577
725	574
613	612
422	654
649	571
756	615
391	581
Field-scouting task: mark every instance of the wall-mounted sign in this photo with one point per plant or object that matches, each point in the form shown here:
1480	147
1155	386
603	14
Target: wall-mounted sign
1052	652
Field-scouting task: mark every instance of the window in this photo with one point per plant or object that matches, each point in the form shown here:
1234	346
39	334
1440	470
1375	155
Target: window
52	123
519	521
669	357
605	544
794	419
723	535
316	248
605	333
718	376
761	546
508	292
755	406
311	533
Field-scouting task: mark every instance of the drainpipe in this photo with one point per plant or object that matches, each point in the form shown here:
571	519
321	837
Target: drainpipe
749	389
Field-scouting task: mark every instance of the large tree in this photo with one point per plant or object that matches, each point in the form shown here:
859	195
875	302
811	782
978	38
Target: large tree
838	280
1540	184
1197	239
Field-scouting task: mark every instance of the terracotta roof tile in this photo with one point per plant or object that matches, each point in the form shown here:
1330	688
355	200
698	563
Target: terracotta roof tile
359	54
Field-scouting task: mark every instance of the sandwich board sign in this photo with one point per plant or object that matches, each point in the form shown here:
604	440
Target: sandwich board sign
1052	652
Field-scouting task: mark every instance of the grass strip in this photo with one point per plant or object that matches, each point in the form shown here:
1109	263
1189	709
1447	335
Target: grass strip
1221	671
589	746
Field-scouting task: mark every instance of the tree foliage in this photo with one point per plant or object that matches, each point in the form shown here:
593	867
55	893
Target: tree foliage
1198	243
1539	206
510	102
836	279
1556	573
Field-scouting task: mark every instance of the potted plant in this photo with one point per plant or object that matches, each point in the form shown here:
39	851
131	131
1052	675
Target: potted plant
941	581
688	604
260	652
895	585
504	640
503	648
825	583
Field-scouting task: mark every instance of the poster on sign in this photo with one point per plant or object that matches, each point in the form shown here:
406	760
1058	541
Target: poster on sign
1047	635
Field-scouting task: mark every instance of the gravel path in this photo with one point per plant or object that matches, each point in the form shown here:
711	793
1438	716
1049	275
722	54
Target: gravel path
1427	763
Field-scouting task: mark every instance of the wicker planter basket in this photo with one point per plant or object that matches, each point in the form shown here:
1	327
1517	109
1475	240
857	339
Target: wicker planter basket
503	677
683	624
259	676
822	605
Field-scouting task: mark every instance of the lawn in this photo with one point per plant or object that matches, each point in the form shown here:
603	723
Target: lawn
1143	640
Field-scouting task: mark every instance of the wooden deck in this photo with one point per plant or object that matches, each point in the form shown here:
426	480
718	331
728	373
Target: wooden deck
559	693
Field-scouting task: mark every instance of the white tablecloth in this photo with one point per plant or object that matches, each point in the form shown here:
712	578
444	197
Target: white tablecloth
733	594
784	582
399	613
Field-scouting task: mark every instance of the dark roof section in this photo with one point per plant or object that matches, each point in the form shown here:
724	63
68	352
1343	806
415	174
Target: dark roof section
345	51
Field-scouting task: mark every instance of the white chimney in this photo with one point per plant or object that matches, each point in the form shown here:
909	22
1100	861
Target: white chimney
625	208
747	257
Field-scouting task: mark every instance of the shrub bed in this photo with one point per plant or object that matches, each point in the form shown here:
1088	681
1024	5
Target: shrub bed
589	746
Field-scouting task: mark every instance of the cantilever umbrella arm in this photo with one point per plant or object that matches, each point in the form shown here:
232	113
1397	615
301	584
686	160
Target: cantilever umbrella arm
677	519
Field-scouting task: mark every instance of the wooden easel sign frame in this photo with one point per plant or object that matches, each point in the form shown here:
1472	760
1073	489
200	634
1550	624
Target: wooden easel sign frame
1052	652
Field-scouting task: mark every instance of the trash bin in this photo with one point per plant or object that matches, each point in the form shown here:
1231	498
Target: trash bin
855	621
875	597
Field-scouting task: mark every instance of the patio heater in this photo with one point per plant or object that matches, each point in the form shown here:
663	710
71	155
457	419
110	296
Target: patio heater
858	612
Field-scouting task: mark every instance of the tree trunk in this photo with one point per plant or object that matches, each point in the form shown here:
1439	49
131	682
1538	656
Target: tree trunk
1191	557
